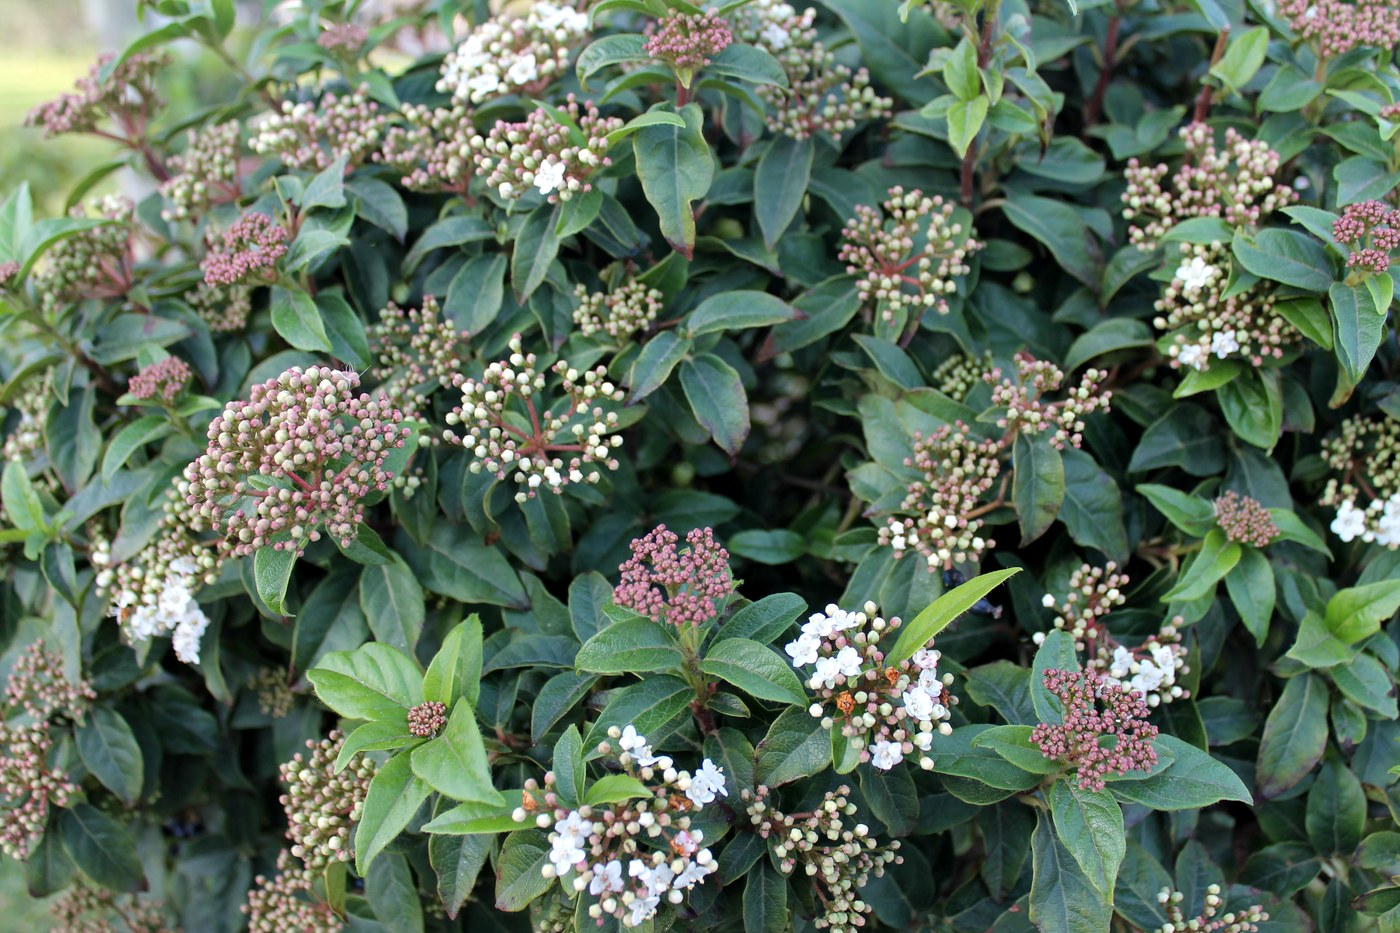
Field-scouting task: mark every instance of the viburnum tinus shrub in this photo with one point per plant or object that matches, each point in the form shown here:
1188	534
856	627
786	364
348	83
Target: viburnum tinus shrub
750	466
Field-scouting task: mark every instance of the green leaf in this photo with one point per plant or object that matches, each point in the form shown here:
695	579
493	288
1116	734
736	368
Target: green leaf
556	698
1191	514
610	50
378	203
765	621
653	366
756	669
1286	256
47	233
329	620
747	63
372	682
780	185
450	231
388	735
1336	810
457	861
393	895
272	571
455	563
615	788
455	764
795	747
455	671
471	819
765	900
132	438
648	706
1191	781
738	310
1118	333
1253	406
344	329
536	247
960	71
1358	612
635	645
1295	735
779	546
1063	900
1186	437
1243	58
392	602
327	189
519	879
101	847
1038	489
716	395
675	167
1357	328
1056	653
108	749
1090	825
296	317
944	610
1014	744
965	119
1060	229
1251	587
394	796
22	504
1215	558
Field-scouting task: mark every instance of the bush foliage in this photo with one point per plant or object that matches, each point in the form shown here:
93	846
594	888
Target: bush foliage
924	465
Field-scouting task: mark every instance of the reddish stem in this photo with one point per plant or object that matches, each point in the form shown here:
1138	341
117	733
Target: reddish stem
1094	107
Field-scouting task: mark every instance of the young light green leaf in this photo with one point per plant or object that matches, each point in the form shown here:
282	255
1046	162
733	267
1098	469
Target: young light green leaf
917	633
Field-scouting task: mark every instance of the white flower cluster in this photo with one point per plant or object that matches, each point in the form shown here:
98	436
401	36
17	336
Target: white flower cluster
164	605
504	56
1378	523
887	712
1153	676
600	849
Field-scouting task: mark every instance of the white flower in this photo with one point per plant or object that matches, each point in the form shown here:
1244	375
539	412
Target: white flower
550	177
632	740
885	755
606	878
775	37
1223	344
929	682
1165	658
695	872
1350	522
642	908
918	704
1048	601
1388	528
566	842
848	662
188	632
804	650
926	659
1147	678
1122	662
828	669
658	880
1191	355
507	190
1195	275
706	783
523	70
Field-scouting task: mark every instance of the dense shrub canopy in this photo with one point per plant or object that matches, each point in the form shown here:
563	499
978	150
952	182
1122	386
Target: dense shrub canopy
746	466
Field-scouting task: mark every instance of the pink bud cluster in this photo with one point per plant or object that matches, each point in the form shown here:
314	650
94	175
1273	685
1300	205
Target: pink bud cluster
1336	26
504	56
323	800
631	856
205	174
1027	411
153	594
85	908
1235	184
289	901
627	310
247	252
910	260
8	270
826	846
310	135
675	587
1095	710
223	308
162	381
1373	229
688	41
822	96
301	454
432	149
414	351
556	159
343	38
509	433
1210	919
40	693
127	97
427	719
1244	519
1208	320
941	514
93	263
1365	490
886	712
